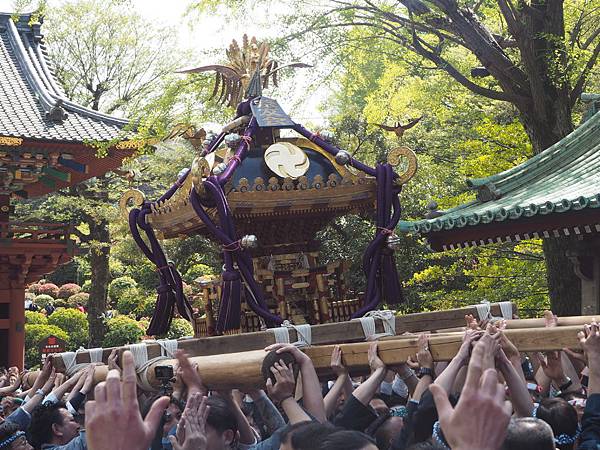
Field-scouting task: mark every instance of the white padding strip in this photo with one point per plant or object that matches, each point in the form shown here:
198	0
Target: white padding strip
140	354
168	347
388	319
506	310
95	355
483	310
281	334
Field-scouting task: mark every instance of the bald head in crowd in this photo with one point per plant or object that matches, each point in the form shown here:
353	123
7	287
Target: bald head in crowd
528	433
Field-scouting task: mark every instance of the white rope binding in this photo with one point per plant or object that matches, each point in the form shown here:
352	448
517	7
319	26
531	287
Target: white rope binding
367	322
303	331
484	310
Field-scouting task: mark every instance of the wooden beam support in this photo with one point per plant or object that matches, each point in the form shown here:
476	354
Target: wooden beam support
329	333
541	323
243	369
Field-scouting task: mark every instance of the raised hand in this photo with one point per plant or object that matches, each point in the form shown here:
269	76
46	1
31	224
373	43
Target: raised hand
112	360
463	429
550	319
189	374
89	380
336	362
285	384
424	357
590	341
375	361
113	419
191	430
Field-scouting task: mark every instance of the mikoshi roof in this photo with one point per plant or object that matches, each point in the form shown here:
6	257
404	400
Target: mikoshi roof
557	192
38	121
29	92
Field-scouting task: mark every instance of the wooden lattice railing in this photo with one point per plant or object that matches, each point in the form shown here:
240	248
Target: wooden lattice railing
35	231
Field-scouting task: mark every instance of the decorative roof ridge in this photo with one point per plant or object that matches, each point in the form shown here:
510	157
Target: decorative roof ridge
40	78
539	162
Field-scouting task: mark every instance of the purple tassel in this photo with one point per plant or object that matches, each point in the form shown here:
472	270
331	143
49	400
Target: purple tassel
230	309
163	312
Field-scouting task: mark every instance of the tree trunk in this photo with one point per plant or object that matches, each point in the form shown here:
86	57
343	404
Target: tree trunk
99	257
563	285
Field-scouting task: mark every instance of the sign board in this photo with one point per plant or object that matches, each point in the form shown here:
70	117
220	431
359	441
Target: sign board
50	345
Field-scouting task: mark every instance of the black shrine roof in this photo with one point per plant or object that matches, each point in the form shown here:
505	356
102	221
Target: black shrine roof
32	104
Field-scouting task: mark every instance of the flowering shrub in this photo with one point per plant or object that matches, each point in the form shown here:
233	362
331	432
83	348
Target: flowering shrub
81	297
67	290
122	331
49	289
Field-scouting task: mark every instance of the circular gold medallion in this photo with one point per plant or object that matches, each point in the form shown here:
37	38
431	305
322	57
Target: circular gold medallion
135	196
405	160
287	160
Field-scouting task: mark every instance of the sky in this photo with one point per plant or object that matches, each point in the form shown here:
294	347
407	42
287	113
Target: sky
213	33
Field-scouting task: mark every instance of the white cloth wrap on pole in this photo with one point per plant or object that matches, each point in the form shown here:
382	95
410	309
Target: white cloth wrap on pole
95	355
367	322
71	367
484	310
506	310
303	331
168	347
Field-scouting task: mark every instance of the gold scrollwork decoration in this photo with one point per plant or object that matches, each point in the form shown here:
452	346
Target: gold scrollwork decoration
135	196
199	171
403	156
10	141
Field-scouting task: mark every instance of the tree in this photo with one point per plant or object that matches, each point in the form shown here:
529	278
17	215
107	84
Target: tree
107	58
535	55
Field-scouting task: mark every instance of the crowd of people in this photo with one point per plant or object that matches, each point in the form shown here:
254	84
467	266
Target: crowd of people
488	397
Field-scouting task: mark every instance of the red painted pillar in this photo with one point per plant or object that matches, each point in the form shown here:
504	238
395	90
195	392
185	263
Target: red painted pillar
16	332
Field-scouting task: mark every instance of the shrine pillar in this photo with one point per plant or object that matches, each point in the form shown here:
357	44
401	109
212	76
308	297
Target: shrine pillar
12	322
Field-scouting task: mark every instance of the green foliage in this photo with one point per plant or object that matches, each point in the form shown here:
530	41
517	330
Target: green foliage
49	289
146	307
179	328
129	301
119	285
35	318
81	297
122	331
196	270
34	334
85	287
67	290
43	299
74	323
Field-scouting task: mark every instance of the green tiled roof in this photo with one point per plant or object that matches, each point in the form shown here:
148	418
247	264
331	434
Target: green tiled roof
565	177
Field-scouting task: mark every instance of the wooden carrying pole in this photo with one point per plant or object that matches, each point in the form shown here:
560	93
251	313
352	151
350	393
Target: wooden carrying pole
243	369
329	333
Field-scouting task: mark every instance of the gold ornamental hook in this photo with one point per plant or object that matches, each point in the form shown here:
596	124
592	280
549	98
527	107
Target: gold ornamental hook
403	156
135	196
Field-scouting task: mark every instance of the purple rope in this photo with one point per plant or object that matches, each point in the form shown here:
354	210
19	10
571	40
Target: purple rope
170	288
240	153
378	261
332	149
226	236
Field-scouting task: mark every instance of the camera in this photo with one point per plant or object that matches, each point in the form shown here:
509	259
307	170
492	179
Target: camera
163	373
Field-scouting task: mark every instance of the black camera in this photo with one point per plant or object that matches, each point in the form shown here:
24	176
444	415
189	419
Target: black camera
164	373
